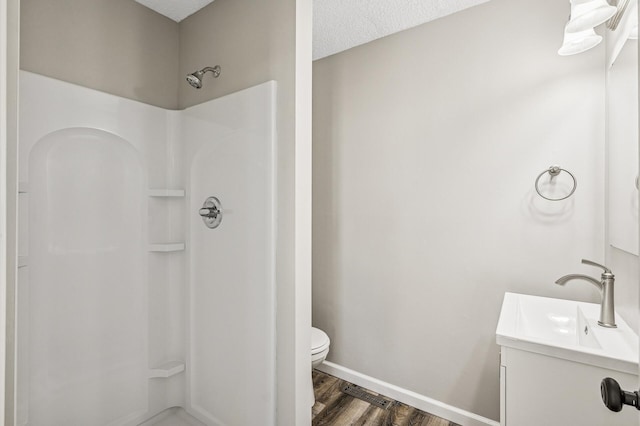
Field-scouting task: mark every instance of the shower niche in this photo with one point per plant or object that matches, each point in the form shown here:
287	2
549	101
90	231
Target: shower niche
127	305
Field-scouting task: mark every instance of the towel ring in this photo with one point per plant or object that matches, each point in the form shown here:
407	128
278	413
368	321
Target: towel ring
553	172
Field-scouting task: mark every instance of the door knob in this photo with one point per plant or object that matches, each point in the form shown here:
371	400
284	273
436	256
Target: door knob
615	398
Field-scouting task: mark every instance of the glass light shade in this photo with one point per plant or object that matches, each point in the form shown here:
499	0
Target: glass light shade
582	41
587	14
633	35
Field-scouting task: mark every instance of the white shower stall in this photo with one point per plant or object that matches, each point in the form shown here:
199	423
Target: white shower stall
127	303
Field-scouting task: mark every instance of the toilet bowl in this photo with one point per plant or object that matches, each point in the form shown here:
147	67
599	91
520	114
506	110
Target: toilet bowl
319	349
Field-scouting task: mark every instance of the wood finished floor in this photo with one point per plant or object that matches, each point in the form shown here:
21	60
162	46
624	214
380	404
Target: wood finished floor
335	408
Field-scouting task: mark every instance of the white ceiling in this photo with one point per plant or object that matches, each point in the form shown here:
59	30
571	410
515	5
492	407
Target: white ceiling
342	24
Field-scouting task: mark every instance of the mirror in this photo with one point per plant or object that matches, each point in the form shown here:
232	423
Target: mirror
622	136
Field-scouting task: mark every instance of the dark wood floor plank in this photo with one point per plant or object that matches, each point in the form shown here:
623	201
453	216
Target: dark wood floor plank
323	383
345	411
324	387
437	421
317	408
417	418
372	417
335	408
332	409
330	393
401	415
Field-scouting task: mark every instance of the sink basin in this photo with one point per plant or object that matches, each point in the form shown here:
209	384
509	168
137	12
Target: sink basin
566	329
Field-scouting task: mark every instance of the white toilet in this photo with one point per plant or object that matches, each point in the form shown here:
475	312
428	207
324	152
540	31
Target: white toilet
319	349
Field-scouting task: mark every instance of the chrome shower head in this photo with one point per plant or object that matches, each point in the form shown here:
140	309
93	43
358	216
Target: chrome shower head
195	78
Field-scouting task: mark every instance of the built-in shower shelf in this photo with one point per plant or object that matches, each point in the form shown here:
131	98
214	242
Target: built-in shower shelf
166	370
166	193
166	247
22	261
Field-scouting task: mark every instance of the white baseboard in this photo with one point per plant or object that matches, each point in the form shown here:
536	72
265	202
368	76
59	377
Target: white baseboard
408	397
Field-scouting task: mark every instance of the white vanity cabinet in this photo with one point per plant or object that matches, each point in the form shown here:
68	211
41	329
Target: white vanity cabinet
553	356
538	390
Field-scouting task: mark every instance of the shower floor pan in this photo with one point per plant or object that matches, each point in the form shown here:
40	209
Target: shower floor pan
173	417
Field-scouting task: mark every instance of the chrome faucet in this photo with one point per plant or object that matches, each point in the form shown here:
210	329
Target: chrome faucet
605	285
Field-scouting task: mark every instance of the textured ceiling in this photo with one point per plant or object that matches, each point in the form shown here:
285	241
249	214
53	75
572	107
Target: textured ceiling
342	24
175	9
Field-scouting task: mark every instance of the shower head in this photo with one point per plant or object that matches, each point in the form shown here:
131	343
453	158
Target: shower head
195	78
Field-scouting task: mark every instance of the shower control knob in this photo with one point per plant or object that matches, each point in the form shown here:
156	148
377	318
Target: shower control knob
211	212
615	398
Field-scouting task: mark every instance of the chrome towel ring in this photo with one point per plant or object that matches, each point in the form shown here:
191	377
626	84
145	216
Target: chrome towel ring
553	172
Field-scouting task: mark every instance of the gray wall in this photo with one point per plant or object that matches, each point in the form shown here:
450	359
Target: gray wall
426	147
115	46
240	46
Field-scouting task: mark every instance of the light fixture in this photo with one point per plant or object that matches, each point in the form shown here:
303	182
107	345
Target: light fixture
633	35
587	14
622	6
579	42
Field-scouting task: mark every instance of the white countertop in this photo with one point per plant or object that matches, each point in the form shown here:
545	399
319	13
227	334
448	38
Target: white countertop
566	329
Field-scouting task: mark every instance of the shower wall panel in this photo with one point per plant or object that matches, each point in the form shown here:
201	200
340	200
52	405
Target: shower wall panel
86	162
114	326
87	289
229	154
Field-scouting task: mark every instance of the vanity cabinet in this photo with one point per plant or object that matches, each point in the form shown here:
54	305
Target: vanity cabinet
538	389
553	356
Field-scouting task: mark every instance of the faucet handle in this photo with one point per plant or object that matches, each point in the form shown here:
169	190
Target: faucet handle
592	263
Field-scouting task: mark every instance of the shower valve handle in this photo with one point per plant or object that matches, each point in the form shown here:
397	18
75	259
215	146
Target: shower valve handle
209	212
